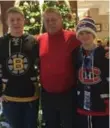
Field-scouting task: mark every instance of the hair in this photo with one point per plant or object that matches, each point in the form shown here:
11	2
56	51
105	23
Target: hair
52	10
15	10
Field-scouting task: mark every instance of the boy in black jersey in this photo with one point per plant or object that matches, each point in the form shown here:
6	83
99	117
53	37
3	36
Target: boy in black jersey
93	78
18	76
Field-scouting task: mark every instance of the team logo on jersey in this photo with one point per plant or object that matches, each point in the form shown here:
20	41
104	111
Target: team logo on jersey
16	41
92	77
18	64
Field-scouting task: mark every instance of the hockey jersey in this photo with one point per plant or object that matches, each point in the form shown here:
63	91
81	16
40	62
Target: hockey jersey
92	83
18	75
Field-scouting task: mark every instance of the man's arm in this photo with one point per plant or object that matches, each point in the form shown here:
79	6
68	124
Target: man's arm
73	42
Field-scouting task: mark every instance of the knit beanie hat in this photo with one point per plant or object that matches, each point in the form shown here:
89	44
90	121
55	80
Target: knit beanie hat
86	24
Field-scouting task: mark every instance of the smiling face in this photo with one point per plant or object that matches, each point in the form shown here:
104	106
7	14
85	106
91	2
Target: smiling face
15	22
52	22
86	37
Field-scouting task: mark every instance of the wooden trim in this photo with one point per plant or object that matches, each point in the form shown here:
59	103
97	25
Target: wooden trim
4	7
74	9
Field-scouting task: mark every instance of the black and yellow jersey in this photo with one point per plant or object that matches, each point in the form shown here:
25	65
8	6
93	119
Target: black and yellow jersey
18	75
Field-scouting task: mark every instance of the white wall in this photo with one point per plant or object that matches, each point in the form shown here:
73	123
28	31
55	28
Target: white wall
99	11
100	19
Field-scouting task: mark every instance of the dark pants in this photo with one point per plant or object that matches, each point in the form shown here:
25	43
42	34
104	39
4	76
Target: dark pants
93	121
21	115
59	109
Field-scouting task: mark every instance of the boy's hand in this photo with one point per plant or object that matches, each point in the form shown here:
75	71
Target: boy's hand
2	98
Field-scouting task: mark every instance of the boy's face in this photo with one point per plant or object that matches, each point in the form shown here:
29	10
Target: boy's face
15	22
86	37
52	22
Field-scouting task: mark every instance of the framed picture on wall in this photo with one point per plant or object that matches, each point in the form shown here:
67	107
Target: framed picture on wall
98	27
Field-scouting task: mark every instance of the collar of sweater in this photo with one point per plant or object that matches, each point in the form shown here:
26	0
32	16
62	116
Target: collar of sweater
57	34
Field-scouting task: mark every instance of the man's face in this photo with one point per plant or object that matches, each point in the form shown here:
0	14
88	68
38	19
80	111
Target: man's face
52	22
15	22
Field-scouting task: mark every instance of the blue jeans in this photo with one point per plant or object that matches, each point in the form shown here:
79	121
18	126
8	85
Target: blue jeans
21	115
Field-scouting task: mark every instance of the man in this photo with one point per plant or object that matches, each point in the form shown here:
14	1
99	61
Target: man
56	71
18	75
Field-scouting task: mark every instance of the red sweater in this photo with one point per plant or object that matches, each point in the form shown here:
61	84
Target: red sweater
56	68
